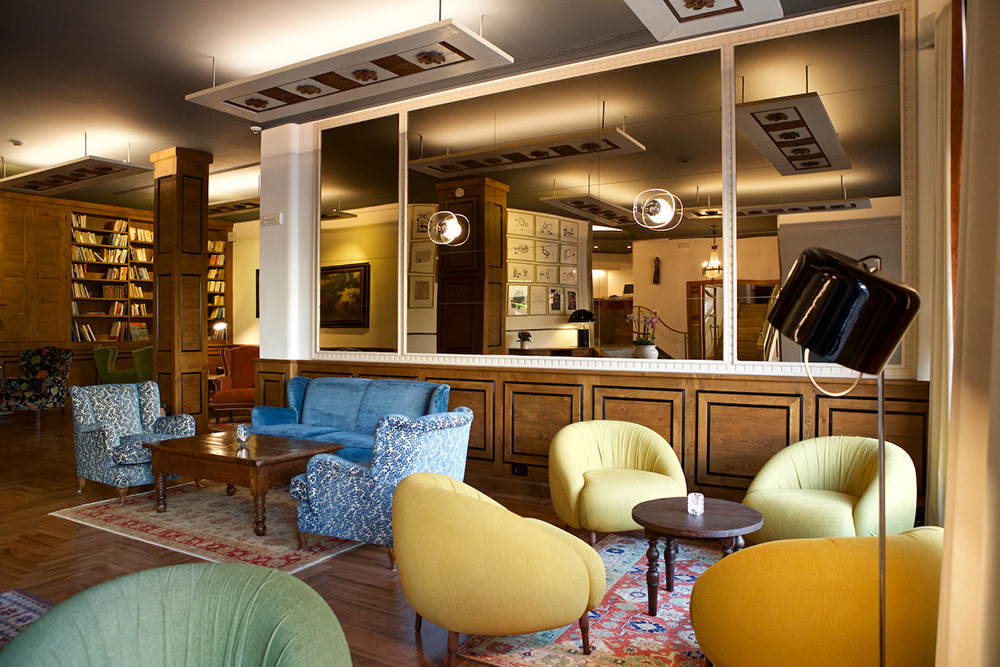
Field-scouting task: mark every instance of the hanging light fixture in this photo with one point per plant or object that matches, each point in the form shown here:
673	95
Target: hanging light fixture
713	267
658	209
447	228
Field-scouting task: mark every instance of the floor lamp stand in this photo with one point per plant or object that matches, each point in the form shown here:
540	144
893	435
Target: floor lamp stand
881	518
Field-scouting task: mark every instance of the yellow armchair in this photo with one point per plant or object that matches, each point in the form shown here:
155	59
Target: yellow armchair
599	470
469	565
816	602
828	487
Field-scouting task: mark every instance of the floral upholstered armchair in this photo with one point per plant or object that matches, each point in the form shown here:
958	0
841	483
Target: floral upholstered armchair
353	501
110	424
43	383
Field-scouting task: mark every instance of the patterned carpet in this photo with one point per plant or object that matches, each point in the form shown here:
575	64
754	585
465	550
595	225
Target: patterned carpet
209	524
17	611
621	633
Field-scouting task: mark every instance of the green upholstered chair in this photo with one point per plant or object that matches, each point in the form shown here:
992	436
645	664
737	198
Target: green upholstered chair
190	615
828	487
145	364
105	357
816	602
469	565
599	470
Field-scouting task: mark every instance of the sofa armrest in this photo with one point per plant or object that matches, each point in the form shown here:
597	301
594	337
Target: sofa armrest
131	454
268	415
328	477
174	425
222	383
94	443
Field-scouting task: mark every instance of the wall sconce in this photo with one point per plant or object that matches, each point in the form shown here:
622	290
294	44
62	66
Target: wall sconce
854	316
658	209
582	317
447	228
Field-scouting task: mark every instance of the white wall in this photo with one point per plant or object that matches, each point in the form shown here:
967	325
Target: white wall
246	261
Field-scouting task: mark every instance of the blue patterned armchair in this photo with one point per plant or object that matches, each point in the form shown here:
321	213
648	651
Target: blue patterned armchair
353	501
110	423
43	383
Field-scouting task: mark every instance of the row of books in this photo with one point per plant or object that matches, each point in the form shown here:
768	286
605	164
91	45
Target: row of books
135	292
138	331
216	246
141	235
137	309
138	273
81	221
216	274
140	254
217	300
216	260
116	273
80	291
113	291
217	313
109	256
82	332
117	308
216	286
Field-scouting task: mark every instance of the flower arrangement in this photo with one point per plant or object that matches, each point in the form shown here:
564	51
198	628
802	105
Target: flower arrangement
643	326
524	336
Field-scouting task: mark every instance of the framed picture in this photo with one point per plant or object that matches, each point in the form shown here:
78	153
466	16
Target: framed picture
557	301
572	301
518	272
546	253
421	292
520	224
567	275
547	274
422	256
419	214
344	295
569	231
517	300
546	228
538	300
520	250
567	253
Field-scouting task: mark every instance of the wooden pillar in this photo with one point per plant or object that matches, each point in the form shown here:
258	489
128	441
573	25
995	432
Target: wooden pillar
472	309
180	228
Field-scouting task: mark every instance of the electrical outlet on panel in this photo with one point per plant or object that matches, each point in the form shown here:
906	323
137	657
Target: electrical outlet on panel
519	469
685	244
274	219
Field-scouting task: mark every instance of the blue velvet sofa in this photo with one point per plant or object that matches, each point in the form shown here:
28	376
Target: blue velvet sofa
347	410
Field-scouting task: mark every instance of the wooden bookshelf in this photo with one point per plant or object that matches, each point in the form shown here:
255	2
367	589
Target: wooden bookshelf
218	287
111	286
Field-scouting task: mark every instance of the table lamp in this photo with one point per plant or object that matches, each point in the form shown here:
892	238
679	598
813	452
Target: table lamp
583	317
855	316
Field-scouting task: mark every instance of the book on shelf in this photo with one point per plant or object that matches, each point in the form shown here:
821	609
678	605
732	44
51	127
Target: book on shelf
138	273
139	254
216	246
83	332
117	331
116	240
116	309
138	331
216	286
217	313
118	225
83	236
216	260
216	274
140	235
79	219
80	291
138	309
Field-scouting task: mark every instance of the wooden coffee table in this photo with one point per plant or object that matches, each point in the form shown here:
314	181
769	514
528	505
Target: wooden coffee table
266	461
723	520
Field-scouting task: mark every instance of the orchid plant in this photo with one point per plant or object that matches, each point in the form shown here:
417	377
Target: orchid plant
643	326
524	336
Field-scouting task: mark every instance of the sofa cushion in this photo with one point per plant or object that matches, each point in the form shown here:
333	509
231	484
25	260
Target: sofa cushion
357	446
609	494
410	398
333	403
301	431
240	397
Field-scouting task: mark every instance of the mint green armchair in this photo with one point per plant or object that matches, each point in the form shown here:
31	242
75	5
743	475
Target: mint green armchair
191	615
828	487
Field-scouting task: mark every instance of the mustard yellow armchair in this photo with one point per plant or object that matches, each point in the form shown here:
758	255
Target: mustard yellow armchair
828	487
816	602
599	470
469	565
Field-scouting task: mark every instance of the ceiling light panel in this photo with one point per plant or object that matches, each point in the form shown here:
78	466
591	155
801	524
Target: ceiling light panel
431	53
79	173
674	19
794	133
707	212
593	208
529	153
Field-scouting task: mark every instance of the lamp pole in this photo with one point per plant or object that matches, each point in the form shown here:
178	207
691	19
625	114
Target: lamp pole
881	518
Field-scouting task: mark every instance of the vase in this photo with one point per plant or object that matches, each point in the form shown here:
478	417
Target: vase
644	352
524	344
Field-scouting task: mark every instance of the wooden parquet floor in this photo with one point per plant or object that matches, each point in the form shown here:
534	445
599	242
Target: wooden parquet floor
55	559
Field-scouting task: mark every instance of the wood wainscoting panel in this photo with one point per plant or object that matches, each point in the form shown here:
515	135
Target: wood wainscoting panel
325	374
534	413
905	424
193	387
271	386
479	396
738	432
659	409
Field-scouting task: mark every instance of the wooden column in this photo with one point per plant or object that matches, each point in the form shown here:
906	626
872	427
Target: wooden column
471	311
180	259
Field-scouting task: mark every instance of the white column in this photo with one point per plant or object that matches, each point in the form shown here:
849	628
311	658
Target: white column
289	215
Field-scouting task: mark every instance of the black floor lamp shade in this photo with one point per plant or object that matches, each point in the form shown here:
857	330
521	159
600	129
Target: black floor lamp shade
836	307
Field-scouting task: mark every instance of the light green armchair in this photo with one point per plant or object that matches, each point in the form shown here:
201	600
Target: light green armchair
599	470
816	602
192	615
469	565
828	487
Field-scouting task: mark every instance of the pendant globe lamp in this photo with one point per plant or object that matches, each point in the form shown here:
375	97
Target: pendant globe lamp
447	228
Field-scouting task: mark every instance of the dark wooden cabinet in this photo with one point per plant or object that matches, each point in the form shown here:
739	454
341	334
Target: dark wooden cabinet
471	277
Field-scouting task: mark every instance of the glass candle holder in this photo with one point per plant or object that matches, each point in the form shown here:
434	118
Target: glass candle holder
696	503
242	433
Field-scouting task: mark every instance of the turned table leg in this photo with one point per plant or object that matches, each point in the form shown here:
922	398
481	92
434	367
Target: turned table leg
732	544
652	572
670	554
260	529
161	492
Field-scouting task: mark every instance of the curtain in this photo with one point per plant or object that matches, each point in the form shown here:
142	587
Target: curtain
970	595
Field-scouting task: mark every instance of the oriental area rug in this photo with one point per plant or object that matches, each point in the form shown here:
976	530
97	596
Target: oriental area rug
206	523
621	633
17	611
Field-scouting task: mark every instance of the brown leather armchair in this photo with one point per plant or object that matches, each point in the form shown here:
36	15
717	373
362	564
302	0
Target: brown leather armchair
234	390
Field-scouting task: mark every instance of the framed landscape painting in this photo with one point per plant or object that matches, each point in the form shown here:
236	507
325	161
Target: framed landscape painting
344	295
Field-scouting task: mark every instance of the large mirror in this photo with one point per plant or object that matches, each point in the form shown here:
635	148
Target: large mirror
359	231
818	159
566	160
